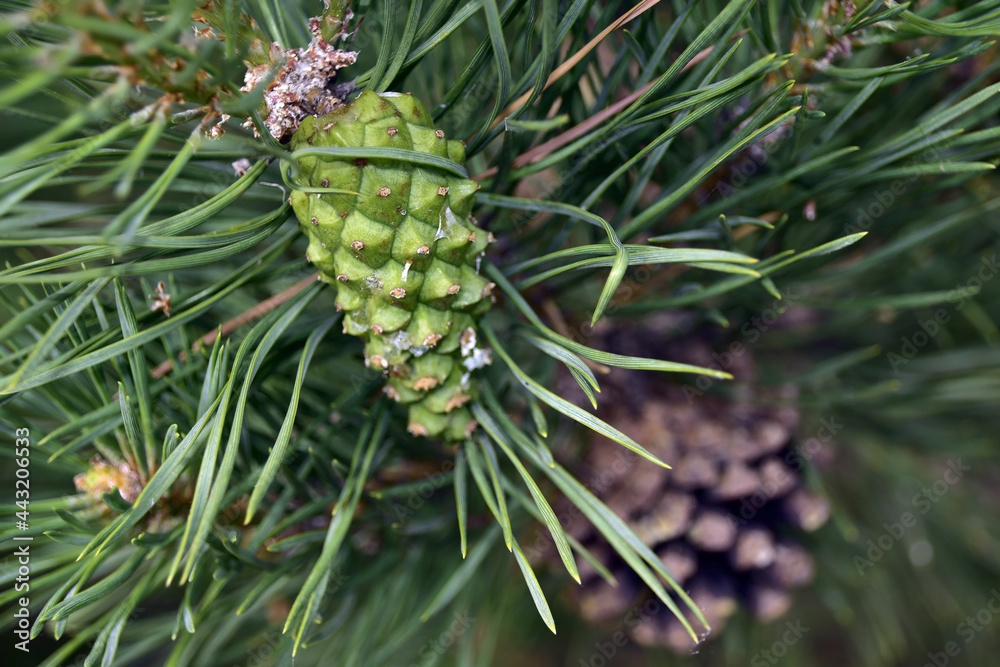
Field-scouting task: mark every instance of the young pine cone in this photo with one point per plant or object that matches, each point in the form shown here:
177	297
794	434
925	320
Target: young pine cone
402	251
722	520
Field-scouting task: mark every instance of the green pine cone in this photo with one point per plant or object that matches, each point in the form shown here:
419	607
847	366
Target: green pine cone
404	254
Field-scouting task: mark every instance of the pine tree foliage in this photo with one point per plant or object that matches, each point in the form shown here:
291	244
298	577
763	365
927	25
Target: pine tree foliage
217	475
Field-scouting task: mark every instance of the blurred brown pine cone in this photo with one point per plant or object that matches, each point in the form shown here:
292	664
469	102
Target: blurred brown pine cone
724	519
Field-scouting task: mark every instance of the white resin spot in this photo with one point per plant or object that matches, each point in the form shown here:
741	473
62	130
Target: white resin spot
478	359
467	341
446	223
400	341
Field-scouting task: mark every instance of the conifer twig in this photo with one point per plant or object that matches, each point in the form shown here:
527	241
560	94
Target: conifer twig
229	326
539	152
572	61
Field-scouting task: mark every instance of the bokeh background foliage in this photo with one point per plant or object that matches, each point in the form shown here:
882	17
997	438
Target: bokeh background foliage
831	163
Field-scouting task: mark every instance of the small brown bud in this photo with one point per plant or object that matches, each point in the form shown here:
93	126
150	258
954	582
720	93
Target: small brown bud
650	630
767	602
712	531
680	559
809	210
754	549
777	477
737	481
668	519
676	637
696	472
793	566
599	601
715	594
805	510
